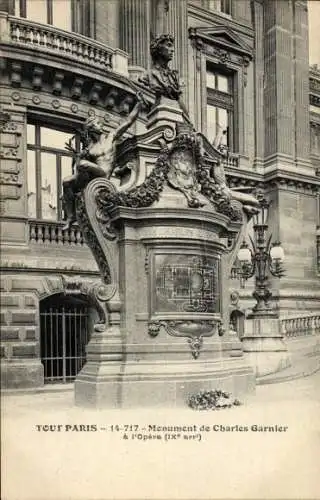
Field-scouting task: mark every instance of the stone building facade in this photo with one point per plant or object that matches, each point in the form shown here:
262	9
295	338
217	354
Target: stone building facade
245	67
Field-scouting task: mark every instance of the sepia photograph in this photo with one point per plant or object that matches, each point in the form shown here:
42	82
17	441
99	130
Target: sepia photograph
160	249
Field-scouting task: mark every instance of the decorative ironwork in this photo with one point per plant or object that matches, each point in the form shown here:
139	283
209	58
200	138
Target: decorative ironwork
263	256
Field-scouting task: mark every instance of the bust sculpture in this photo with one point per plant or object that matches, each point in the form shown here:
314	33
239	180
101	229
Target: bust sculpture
161	79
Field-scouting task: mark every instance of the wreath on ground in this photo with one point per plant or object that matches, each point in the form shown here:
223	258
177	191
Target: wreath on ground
212	400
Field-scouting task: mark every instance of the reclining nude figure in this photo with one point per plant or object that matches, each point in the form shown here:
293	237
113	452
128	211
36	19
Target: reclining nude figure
250	204
96	159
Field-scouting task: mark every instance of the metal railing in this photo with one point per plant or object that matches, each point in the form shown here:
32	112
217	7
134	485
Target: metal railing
51	233
301	326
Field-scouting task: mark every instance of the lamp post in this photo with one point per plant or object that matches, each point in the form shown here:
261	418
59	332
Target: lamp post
263	256
263	341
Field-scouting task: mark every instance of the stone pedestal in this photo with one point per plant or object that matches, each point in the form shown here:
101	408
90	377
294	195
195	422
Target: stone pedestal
167	113
159	244
150	355
264	345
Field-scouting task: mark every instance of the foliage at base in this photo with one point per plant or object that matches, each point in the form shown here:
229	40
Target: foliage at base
212	400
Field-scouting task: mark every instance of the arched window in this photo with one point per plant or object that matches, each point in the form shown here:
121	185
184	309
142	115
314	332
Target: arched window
64	334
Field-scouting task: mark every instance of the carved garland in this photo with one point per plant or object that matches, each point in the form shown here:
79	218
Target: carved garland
149	191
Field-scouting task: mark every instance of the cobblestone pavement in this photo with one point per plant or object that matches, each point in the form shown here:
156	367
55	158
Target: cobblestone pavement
234	453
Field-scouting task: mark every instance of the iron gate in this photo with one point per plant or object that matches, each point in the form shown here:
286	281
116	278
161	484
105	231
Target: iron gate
64	336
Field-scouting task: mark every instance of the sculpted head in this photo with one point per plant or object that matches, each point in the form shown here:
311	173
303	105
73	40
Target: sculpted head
162	48
94	128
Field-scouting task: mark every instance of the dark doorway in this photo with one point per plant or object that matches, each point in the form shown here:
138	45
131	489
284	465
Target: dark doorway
64	335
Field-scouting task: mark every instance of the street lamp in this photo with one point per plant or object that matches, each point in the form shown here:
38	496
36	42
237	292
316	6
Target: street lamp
261	257
263	340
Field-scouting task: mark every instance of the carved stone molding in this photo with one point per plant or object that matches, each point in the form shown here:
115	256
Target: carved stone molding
222	43
193	330
301	186
114	94
96	292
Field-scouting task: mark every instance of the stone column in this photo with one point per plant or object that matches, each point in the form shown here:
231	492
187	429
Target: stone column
134	31
301	82
287	143
278	83
107	17
258	82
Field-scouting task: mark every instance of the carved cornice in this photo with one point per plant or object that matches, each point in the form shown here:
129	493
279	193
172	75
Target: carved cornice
283	180
301	186
223	43
110	94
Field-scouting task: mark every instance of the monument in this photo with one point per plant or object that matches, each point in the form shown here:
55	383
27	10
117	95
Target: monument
164	229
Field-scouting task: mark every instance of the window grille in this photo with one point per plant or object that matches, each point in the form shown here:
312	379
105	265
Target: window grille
64	335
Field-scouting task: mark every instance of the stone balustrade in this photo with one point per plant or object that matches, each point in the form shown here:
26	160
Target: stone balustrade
51	233
300	326
49	39
232	160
